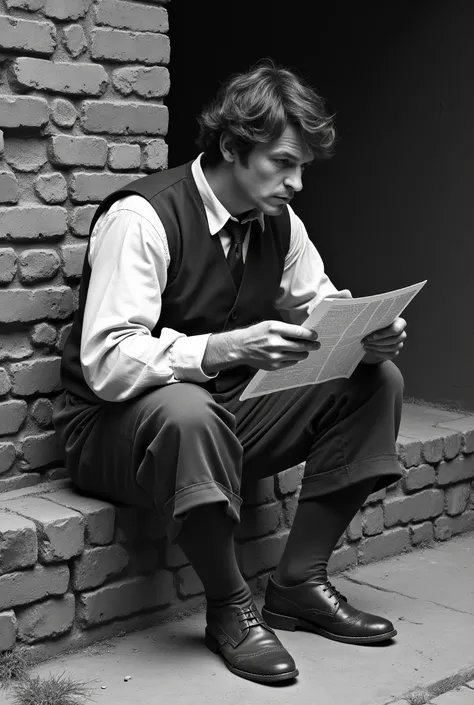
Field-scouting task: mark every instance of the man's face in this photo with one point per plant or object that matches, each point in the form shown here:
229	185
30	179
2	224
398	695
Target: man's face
273	173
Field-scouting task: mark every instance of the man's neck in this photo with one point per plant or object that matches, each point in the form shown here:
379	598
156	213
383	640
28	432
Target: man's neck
220	179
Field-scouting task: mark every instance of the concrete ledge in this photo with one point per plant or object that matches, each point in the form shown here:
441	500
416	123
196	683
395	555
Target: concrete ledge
75	569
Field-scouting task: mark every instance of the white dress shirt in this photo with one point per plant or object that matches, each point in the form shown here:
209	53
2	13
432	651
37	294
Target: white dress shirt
129	259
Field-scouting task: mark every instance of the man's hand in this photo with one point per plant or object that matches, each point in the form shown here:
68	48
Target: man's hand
386	343
270	345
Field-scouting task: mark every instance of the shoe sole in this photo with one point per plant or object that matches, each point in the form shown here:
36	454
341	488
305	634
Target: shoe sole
290	624
213	646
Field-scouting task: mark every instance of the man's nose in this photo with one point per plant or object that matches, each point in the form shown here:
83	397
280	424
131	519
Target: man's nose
295	179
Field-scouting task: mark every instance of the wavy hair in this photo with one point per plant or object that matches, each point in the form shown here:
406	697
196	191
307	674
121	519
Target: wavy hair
255	108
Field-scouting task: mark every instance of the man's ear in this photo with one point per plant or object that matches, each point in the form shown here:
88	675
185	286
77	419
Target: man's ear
227	147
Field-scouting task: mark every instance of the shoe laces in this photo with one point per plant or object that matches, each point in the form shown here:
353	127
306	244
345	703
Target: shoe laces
249	617
329	587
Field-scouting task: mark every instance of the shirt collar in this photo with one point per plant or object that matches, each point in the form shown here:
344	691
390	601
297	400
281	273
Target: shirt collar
217	215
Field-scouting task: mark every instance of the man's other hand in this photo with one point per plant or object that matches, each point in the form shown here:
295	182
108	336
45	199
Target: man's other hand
386	343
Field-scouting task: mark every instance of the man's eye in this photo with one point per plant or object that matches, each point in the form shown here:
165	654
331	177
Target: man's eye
282	162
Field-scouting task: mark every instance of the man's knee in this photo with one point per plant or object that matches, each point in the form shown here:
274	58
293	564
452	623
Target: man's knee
390	379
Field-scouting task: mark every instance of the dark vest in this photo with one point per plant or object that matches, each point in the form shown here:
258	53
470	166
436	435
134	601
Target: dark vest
200	295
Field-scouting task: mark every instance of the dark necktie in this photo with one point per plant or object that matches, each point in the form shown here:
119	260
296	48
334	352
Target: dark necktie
235	258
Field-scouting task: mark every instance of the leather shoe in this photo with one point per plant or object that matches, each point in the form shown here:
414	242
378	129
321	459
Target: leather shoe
318	607
249	647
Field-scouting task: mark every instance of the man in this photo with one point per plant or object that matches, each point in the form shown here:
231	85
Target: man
195	278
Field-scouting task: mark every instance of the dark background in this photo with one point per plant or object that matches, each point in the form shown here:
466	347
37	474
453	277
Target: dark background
396	204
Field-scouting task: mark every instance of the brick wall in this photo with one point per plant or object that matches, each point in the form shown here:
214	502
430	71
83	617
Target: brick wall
74	569
82	85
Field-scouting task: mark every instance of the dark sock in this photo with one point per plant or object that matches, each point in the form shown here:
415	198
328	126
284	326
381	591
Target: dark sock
316	529
207	540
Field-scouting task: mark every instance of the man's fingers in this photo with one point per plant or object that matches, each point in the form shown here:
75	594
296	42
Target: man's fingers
387	342
395	330
290	331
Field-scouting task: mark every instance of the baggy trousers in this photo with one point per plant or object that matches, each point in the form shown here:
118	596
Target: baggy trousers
178	447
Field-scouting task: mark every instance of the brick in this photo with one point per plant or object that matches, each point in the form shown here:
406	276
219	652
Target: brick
290	505
5	383
73	260
342	559
126	597
9	189
372	520
37	376
42	412
74	40
51	188
421	533
259	492
32	222
262	554
410	453
28	5
443	528
258	521
175	557
459	696
155	155
461	468
27	155
17	112
21	305
78	151
14	346
47	619
120	118
7	265
469	442
80	220
390	543
128	15
61	530
7	456
456	498
124	156
33	584
27	36
2	142
418	477
66	9
99	516
63	113
144	82
60	76
40	451
432	450
38	265
18	543
62	337
418	507
12	415
7	630
96	565
287	482
354	530
95	187
452	446
188	583
142	47
376	497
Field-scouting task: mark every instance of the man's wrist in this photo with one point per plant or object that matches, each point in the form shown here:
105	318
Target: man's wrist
222	352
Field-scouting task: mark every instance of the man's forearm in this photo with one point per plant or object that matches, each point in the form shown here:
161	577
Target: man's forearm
222	352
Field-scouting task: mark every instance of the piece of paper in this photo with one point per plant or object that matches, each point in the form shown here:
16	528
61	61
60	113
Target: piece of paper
341	324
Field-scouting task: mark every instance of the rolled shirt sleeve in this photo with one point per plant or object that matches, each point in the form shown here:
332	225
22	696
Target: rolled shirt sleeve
304	282
120	357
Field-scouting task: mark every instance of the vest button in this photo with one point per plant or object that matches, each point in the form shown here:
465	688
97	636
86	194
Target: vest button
233	315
